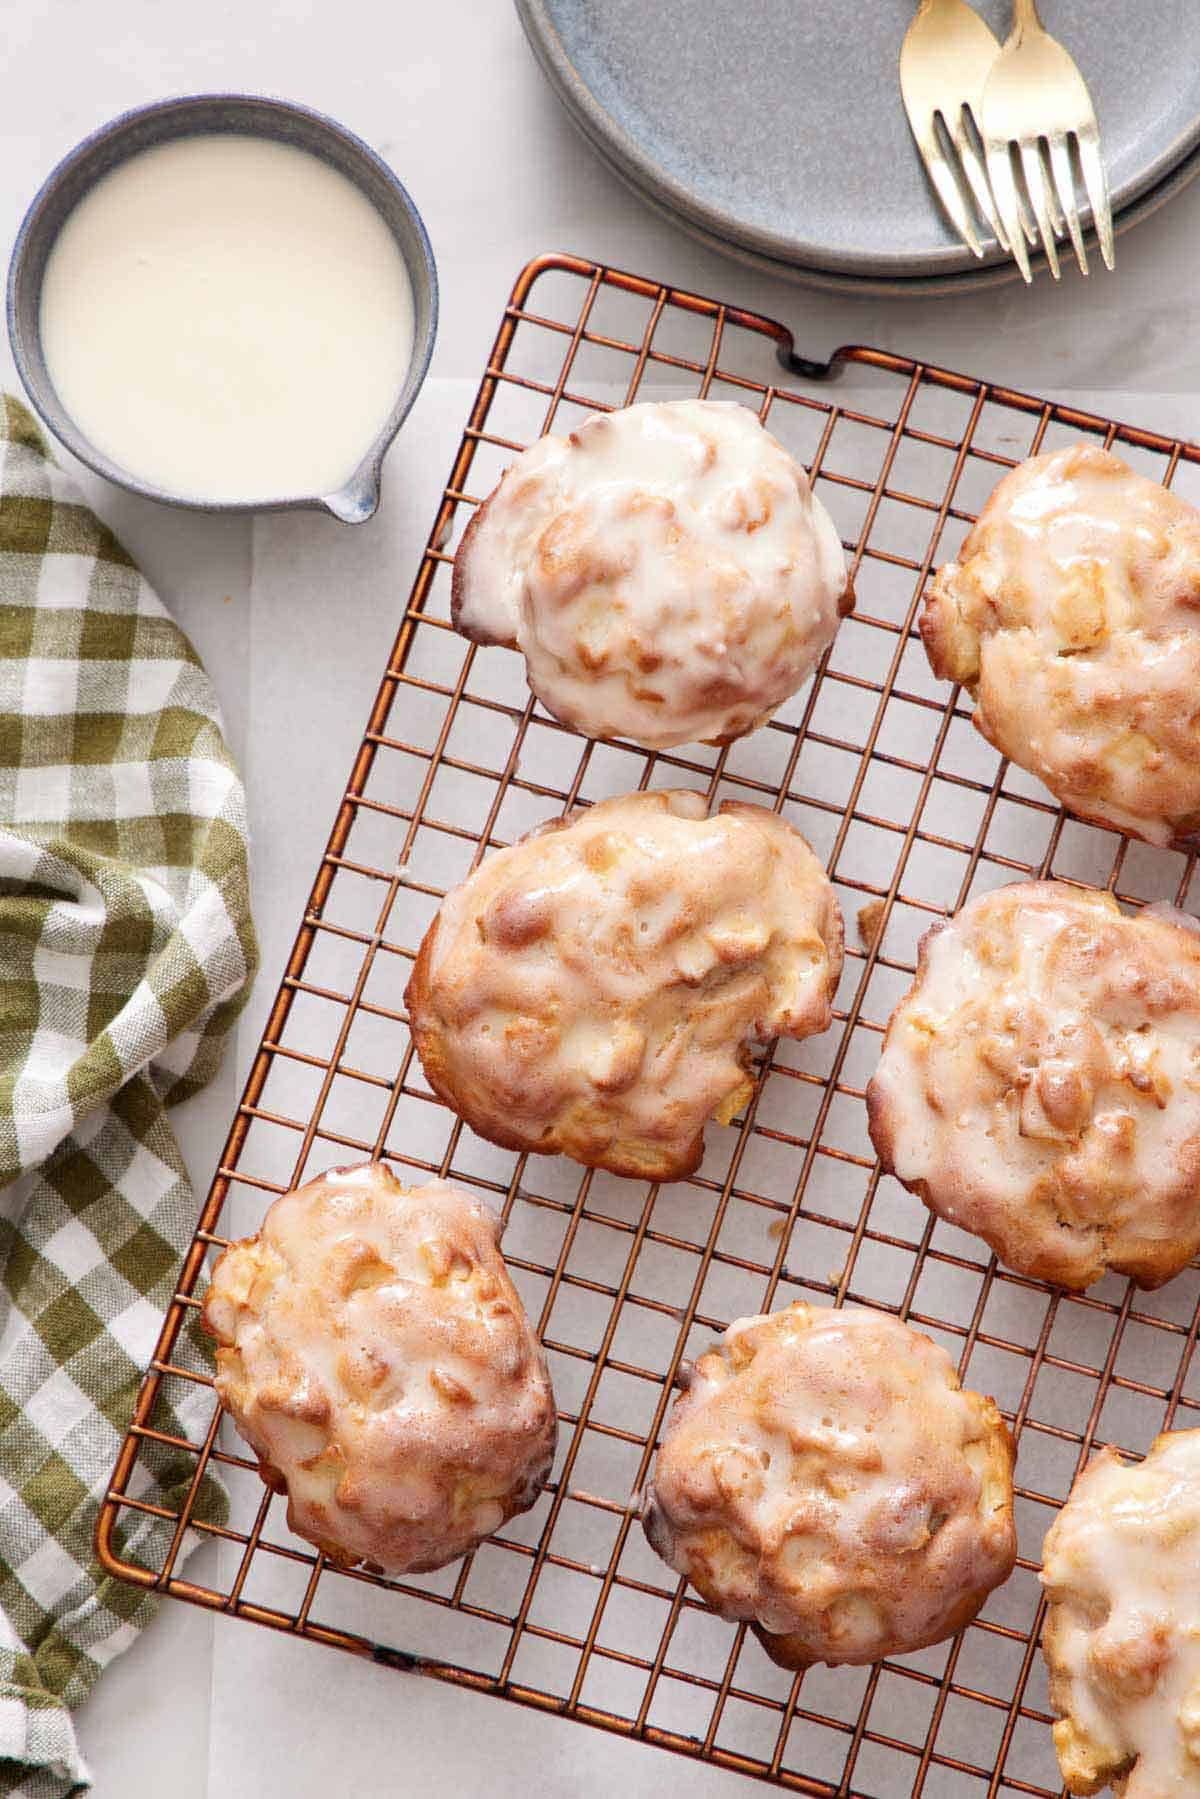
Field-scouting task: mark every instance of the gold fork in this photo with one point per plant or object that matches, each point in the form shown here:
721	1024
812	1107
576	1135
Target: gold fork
1036	106
947	55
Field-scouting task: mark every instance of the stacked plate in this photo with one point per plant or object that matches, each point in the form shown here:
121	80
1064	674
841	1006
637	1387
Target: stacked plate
775	131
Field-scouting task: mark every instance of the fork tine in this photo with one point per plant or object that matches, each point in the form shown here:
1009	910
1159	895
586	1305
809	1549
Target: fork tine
1064	180
1096	182
976	174
1027	222
1035	182
1008	205
1057	221
949	189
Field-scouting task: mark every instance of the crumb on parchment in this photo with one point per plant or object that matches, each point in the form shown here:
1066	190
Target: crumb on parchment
870	922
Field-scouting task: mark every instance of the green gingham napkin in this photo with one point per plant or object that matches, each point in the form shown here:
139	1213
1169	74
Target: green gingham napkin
126	948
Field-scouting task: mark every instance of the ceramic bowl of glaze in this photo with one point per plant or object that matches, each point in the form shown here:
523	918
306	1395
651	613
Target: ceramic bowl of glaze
146	128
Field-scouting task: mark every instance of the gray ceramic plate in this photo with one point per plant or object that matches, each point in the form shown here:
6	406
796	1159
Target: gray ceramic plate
774	128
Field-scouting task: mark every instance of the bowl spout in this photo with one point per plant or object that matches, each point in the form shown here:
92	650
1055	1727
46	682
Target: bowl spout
358	500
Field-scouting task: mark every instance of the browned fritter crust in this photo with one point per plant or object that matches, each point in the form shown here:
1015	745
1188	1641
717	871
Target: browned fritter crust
376	1357
825	1479
1071	614
594	990
665	569
1039	1084
459	575
1121	1569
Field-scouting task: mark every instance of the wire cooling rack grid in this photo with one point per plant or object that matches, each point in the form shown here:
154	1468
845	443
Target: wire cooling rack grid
568	1610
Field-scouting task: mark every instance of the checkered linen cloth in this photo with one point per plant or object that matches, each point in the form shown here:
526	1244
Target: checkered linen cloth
126	948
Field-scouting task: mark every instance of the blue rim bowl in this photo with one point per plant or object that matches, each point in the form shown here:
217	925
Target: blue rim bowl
189	116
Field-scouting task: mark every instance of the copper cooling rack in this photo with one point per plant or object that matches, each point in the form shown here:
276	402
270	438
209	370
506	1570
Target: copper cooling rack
568	1610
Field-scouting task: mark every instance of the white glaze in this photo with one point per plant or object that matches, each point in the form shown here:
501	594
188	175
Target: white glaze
1122	1571
593	989
1071	613
228	318
666	571
1040	1083
374	1352
825	1476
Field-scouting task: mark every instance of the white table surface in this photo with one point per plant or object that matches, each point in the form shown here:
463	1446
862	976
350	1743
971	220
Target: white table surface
293	616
